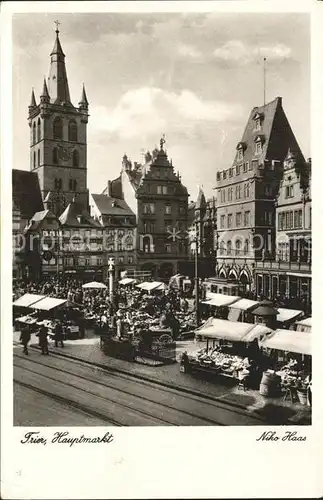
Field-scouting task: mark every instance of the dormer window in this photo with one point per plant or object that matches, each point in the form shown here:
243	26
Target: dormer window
259	140
258	118
241	147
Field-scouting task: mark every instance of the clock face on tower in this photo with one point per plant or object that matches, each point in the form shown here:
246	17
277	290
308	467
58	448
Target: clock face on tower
64	153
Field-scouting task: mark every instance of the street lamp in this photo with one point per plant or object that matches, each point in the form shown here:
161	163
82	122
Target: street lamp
197	284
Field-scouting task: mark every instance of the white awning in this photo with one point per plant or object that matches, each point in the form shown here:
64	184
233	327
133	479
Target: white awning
287	314
149	285
215	328
127	281
305	322
219	299
290	341
244	304
28	299
94	284
48	303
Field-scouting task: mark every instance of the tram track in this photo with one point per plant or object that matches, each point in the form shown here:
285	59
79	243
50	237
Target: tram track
161	421
68	402
160	406
188	393
165	393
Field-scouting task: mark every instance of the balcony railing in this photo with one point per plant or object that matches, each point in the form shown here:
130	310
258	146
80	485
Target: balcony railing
284	266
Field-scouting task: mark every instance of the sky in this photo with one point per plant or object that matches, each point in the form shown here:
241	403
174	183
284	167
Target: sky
193	77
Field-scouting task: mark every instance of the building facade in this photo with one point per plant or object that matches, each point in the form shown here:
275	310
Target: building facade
289	275
119	232
247	191
155	193
202	236
63	239
58	138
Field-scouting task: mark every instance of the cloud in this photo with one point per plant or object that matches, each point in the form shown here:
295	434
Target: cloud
147	111
189	52
235	51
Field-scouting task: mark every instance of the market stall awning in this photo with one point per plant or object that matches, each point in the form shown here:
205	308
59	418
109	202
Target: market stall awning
219	300
127	281
28	299
48	303
305	322
244	304
288	314
304	325
149	285
215	328
290	341
162	286
94	284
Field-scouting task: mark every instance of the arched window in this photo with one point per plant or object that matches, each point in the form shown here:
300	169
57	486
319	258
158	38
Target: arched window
76	158
246	247
238	247
38	157
34	159
229	247
55	156
72	131
38	130
34	133
58	128
222	247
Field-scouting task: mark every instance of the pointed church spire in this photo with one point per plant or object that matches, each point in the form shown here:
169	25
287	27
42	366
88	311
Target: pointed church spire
32	104
44	96
57	80
83	102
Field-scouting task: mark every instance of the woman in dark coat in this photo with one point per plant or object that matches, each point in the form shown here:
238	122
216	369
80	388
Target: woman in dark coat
25	338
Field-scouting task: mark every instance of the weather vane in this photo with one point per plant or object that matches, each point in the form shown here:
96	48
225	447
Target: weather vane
57	24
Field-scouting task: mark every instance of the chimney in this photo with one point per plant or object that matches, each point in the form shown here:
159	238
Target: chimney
110	188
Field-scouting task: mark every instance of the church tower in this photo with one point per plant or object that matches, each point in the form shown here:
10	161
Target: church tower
58	138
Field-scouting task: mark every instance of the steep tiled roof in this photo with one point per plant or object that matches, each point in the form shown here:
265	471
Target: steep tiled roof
275	134
111	206
200	202
74	216
26	193
38	218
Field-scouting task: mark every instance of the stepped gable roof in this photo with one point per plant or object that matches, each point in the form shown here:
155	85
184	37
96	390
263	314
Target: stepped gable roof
74	216
26	193
111	206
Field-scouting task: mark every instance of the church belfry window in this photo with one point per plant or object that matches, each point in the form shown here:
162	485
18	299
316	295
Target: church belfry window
72	131
76	158
38	157
34	159
55	156
38	130
58	184
34	133
58	128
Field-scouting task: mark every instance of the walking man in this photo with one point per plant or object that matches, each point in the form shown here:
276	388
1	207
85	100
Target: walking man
58	334
43	340
25	338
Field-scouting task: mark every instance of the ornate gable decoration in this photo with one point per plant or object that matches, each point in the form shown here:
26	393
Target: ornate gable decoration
258	116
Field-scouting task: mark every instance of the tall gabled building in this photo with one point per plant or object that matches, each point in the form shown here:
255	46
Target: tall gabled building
58	140
155	193
246	193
